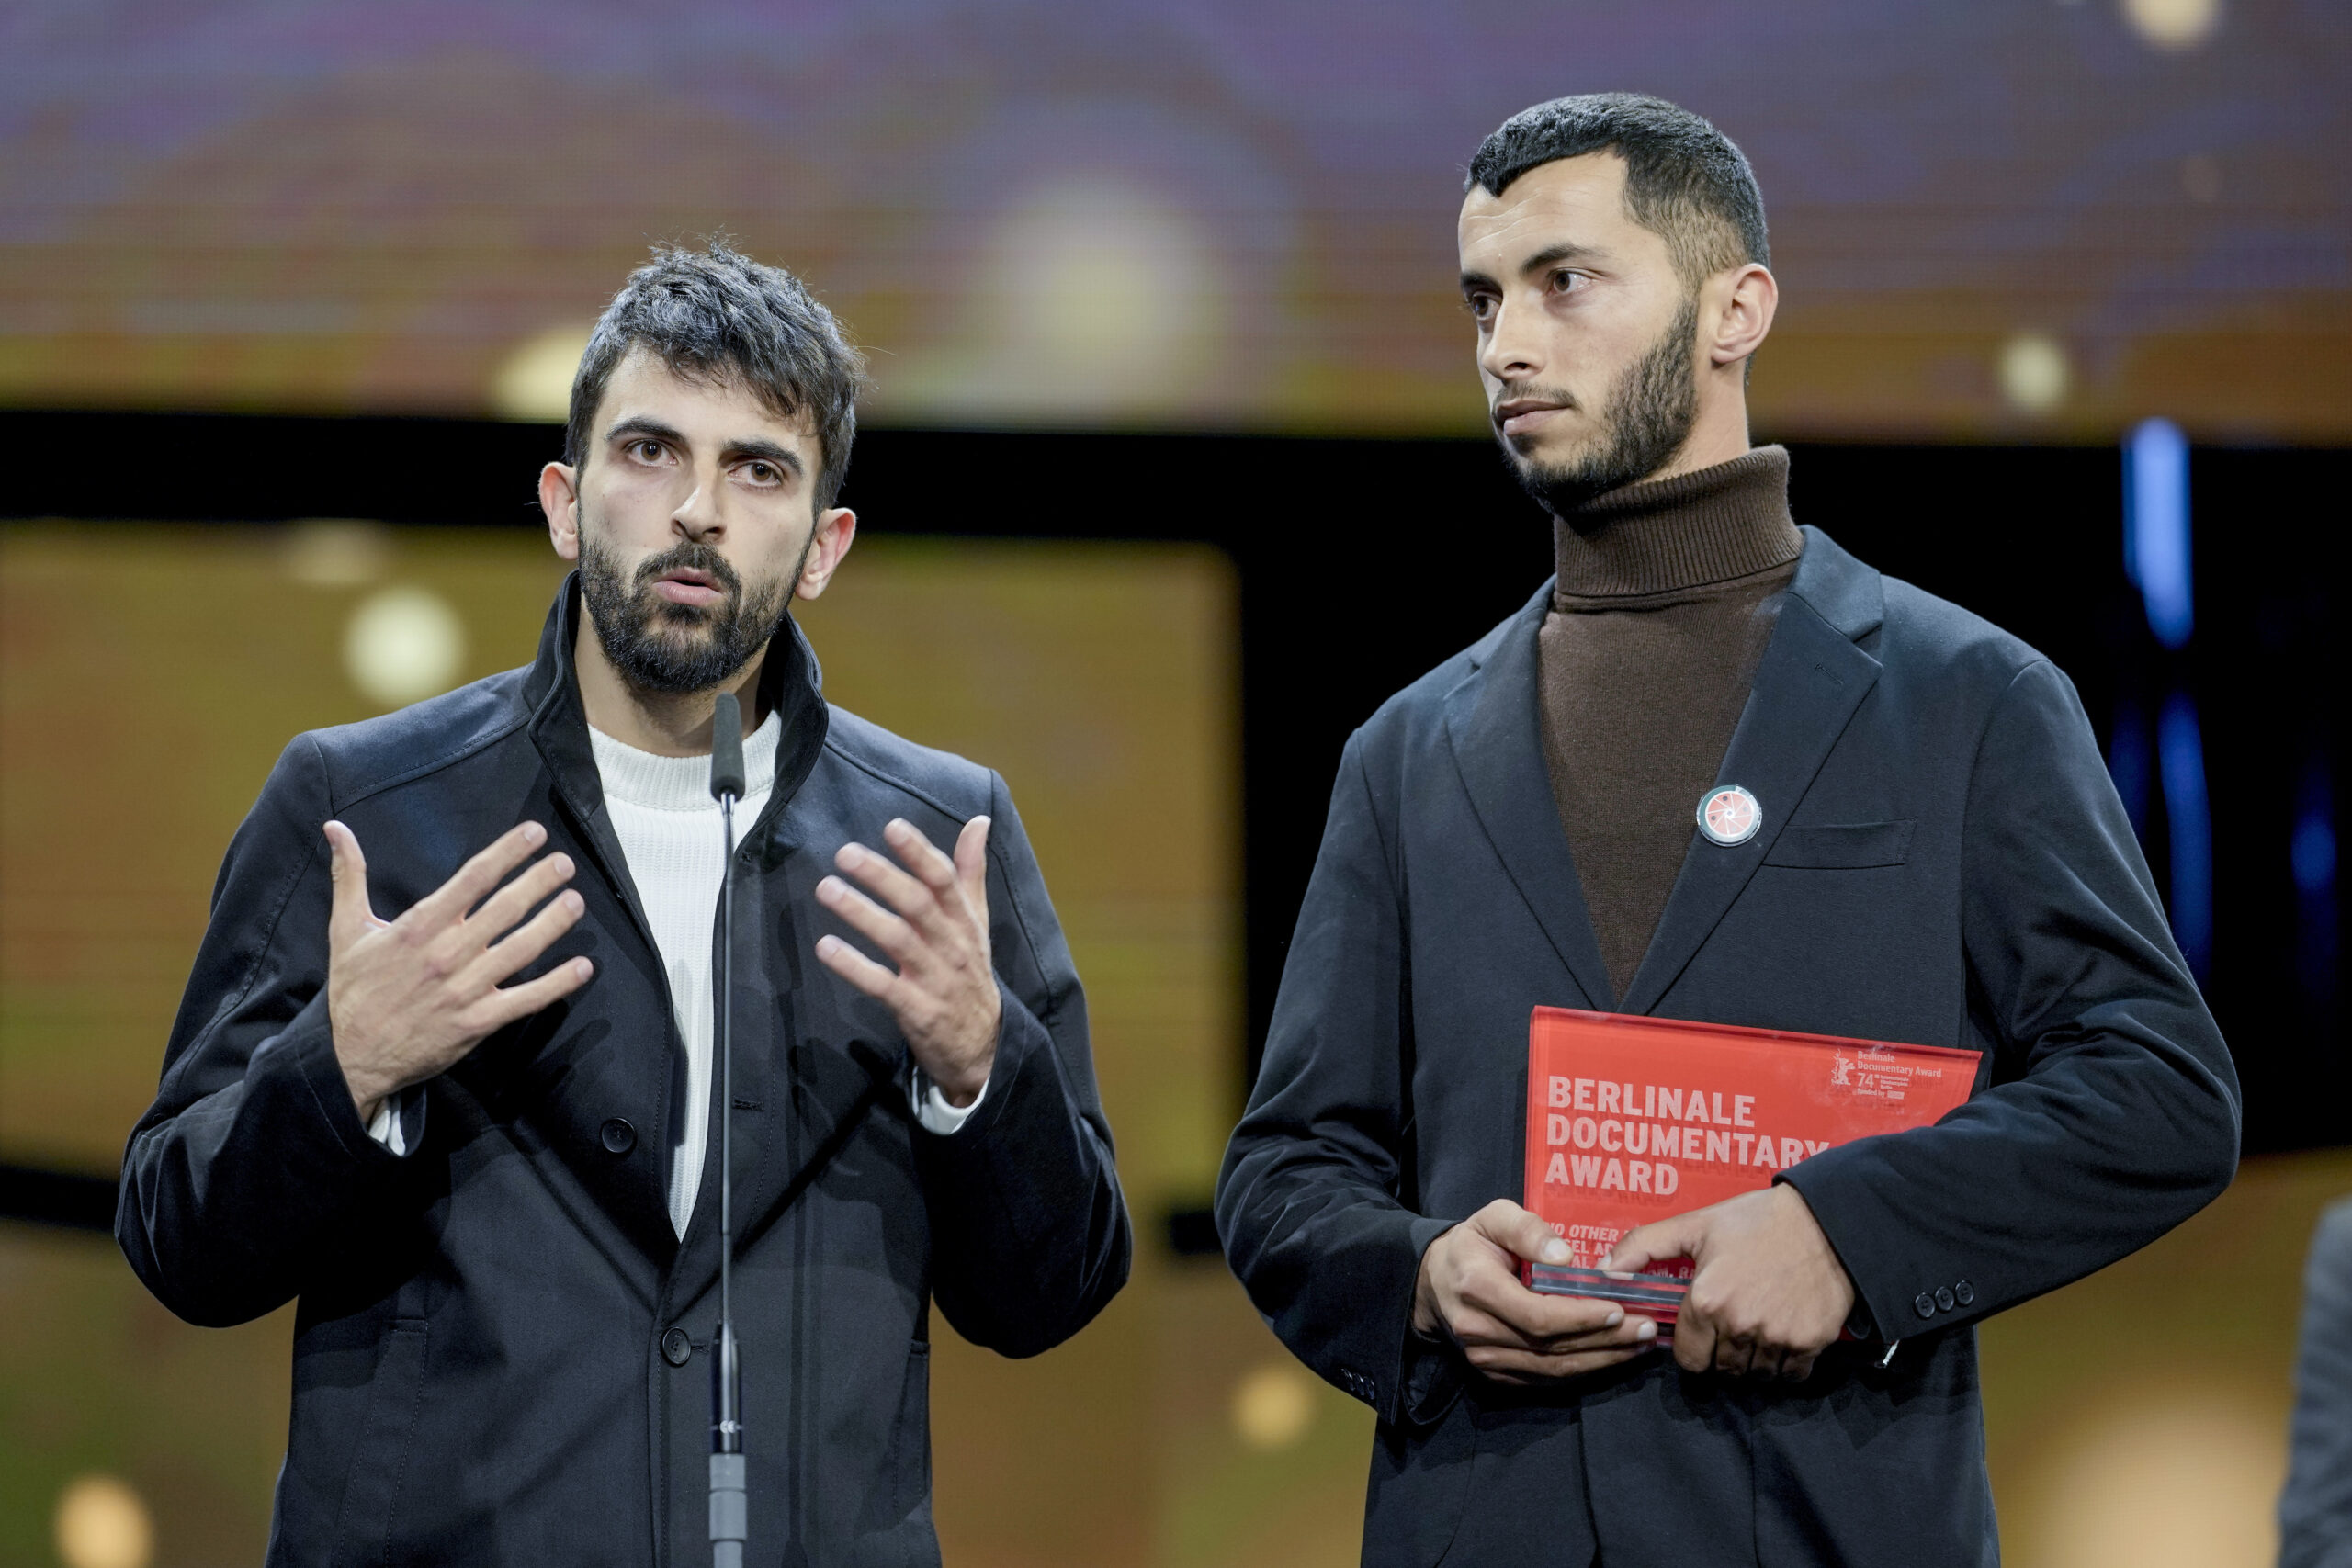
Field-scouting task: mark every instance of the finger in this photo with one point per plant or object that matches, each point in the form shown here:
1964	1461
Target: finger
350	915
1519	1367
1637	1249
1694	1342
503	908
1522	1234
1733	1354
909	895
524	945
1764	1361
972	866
447	903
1537	1317
876	924
876	980
1797	1367
504	1006
922	857
1540	1324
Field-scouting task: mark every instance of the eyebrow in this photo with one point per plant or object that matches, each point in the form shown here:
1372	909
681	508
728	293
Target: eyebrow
741	449
1549	257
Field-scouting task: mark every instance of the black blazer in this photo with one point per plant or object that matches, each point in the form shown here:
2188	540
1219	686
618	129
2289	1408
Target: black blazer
501	1351
1942	860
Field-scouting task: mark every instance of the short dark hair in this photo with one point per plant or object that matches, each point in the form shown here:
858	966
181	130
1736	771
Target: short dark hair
716	314
1685	181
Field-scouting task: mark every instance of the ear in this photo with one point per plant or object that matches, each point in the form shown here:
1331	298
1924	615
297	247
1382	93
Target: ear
1746	300
835	528
560	498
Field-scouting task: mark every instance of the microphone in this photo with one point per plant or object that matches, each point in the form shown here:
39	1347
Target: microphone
727	750
730	1503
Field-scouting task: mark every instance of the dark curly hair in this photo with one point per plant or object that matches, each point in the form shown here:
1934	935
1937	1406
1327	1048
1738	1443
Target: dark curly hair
716	314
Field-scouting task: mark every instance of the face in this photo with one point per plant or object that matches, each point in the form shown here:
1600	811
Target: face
693	520
1587	334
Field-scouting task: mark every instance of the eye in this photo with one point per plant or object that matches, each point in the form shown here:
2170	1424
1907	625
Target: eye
645	450
1566	280
1480	306
763	473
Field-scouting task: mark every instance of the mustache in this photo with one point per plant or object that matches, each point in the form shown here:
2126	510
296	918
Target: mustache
688	555
1513	392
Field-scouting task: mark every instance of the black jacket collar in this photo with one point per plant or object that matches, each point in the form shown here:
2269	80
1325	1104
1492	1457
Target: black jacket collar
791	686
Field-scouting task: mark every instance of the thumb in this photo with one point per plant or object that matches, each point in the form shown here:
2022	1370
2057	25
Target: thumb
972	865
1523	1233
352	914
1637	1249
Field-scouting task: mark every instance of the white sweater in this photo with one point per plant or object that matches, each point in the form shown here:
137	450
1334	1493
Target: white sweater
668	826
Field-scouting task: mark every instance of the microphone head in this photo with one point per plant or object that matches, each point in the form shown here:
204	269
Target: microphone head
727	748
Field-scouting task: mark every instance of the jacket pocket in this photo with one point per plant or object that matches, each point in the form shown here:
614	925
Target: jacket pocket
363	1530
1853	847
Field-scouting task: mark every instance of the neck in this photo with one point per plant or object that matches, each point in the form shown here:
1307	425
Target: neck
668	724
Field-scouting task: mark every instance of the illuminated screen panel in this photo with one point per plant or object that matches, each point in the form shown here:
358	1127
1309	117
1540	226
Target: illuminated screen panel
2040	219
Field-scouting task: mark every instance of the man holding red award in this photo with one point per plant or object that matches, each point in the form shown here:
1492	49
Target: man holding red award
1730	920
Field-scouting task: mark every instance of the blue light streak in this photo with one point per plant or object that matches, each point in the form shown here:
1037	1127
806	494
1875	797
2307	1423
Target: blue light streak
2156	527
2180	753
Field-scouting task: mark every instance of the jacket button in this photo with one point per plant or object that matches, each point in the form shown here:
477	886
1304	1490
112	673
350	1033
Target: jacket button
1924	1303
1965	1293
1944	1298
676	1349
619	1136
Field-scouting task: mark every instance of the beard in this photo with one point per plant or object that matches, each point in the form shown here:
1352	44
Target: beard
660	647
1648	417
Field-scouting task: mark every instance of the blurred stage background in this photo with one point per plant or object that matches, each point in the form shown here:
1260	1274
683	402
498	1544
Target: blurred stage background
1174	470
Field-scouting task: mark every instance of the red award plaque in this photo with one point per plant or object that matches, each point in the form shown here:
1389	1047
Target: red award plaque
1634	1120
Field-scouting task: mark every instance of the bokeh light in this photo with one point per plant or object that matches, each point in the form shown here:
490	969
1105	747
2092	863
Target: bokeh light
102	1523
2174	24
1273	1405
2034	373
336	552
534	382
403	645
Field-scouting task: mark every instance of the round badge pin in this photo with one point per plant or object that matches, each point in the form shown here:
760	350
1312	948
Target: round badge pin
1730	816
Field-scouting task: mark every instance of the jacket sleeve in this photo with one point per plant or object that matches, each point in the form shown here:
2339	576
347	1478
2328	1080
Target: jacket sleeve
1309	1202
253	1152
1030	1233
2112	1113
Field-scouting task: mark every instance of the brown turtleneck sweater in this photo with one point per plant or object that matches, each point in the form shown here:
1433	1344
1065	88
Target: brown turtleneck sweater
1666	594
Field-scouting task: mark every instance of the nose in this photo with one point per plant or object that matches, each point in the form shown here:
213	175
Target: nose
1513	350
697	517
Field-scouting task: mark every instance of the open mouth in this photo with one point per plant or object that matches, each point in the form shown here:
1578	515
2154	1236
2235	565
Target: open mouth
690	587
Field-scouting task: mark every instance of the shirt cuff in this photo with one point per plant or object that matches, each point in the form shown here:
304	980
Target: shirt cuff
386	1127
932	1108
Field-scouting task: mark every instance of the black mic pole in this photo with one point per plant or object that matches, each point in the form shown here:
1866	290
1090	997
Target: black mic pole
730	1507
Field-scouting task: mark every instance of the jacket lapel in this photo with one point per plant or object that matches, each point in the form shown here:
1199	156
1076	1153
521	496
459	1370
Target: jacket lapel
1492	727
1812	679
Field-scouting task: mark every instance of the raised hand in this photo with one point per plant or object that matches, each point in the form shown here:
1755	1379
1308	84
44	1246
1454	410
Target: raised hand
1469	1286
936	931
1769	1294
409	998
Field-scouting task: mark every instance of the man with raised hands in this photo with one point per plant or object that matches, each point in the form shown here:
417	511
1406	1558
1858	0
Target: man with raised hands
443	1074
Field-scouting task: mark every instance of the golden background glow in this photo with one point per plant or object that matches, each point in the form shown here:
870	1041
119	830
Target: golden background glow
148	678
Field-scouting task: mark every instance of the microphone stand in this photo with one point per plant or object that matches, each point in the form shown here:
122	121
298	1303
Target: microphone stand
730	1505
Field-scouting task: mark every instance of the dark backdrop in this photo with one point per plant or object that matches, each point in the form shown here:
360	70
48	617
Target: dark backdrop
1363	563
